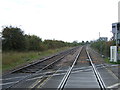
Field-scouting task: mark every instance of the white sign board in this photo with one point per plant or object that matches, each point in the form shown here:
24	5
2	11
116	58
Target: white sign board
113	54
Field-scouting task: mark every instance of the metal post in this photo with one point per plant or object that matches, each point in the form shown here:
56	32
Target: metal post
116	43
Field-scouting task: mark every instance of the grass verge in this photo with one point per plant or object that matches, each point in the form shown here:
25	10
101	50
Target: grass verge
108	61
10	60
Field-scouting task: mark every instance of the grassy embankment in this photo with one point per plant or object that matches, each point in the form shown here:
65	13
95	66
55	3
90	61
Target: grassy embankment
12	59
108	60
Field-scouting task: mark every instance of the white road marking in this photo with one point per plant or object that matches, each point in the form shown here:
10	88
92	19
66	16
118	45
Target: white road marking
12	78
8	83
114	85
114	65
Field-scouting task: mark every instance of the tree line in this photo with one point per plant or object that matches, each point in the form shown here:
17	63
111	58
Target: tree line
14	39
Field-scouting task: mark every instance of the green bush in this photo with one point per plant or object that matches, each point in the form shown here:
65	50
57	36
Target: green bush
13	39
103	47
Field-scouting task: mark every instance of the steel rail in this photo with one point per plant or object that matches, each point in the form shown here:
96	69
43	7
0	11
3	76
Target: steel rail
34	74
97	74
66	76
104	66
50	64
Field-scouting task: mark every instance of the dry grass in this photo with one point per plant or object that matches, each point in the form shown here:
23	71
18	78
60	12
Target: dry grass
12	59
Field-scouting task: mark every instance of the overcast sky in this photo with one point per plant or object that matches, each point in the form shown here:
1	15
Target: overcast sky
66	20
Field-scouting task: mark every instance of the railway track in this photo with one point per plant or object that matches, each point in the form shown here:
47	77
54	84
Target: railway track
95	71
44	64
35	69
97	74
71	70
112	68
82	72
65	78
